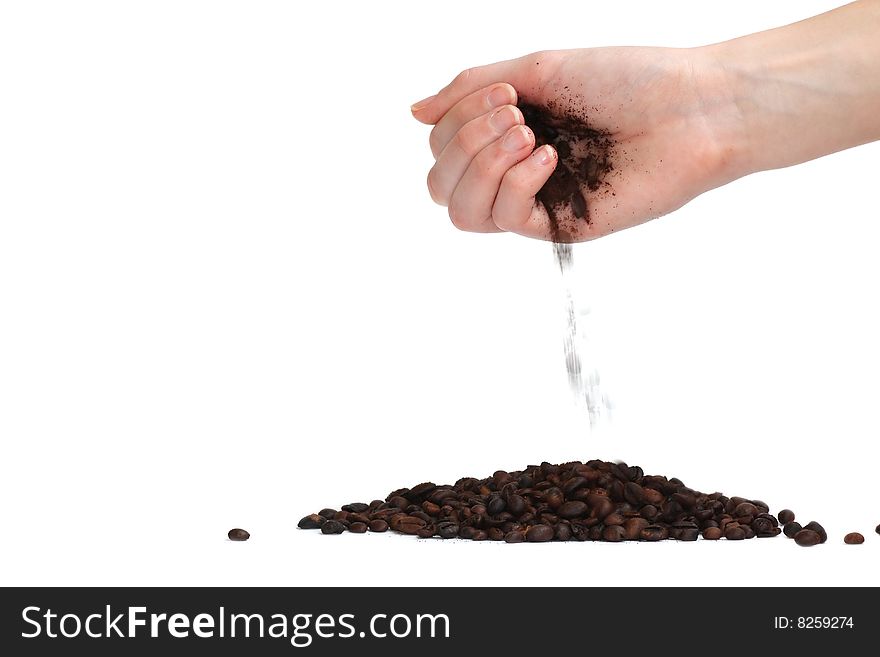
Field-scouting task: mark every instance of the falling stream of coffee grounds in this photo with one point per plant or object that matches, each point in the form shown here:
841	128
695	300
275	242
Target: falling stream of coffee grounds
583	379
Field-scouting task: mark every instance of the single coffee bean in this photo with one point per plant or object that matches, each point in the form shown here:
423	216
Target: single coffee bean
807	538
554	498
425	532
495	534
327	513
819	529
357	528
539	534
313	521
762	526
877	529
378	525
578	205
712	533
496	505
746	509
516	505
514	537
332	527
791	528
480	535
632	528
736	533
242	535
853	538
654	533
356	507
573	510
785	516
613	534
358	517
409	525
689	534
649	512
563	532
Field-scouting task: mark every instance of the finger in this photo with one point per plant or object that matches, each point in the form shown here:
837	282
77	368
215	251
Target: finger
515	203
470	207
468	108
526	74
473	137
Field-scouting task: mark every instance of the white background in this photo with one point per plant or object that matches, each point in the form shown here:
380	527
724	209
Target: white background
227	300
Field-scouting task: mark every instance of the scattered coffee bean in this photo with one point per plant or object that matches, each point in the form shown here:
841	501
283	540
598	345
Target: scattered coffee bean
242	535
816	527
332	527
378	525
807	538
785	516
853	538
791	528
313	521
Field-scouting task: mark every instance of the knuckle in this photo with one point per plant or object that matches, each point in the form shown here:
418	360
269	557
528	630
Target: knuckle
463	77
458	217
433	188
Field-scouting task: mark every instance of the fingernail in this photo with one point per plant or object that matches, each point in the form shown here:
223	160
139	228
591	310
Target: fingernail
505	118
545	154
422	104
516	139
499	96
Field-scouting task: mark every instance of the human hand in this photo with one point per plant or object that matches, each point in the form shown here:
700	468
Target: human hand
671	119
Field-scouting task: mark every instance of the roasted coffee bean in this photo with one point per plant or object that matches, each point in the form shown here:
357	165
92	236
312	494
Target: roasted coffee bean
573	484
613	534
378	525
516	505
430	508
712	533
313	521
653	533
613	519
356	507
578	205
332	527
357	528
791	528
807	538
853	538
358	517
425	532
467	532
554	498
689	534
734	533
750	533
409	525
480	535
514	537
327	513
877	529
563	532
649	512
745	509
496	505
819	529
539	533
762	526
495	534
785	516
242	535
632	528
573	510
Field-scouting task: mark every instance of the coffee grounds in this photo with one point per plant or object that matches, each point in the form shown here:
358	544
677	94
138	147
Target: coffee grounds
593	501
584	162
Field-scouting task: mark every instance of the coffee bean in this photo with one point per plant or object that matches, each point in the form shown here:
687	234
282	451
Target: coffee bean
632	528
408	525
613	534
745	509
653	533
649	512
853	538
496	505
514	537
327	513
539	533
819	529
785	516
356	507
791	528
877	529
425	532
496	534
480	535
516	505
357	528
563	532
614	519
691	534
313	521
554	498
807	538
578	205
734	533
712	533
573	510
762	526
242	535
378	525
332	527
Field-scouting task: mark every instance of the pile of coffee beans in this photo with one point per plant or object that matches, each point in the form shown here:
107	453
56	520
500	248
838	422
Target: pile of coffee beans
593	501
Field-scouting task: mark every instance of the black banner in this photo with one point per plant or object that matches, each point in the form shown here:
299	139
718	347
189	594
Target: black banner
334	621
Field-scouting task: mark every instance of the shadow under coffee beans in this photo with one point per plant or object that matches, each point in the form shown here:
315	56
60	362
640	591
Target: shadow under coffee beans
575	501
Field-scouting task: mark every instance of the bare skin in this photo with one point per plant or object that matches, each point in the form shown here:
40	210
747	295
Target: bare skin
684	120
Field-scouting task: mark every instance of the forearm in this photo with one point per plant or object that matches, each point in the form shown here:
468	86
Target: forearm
804	90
